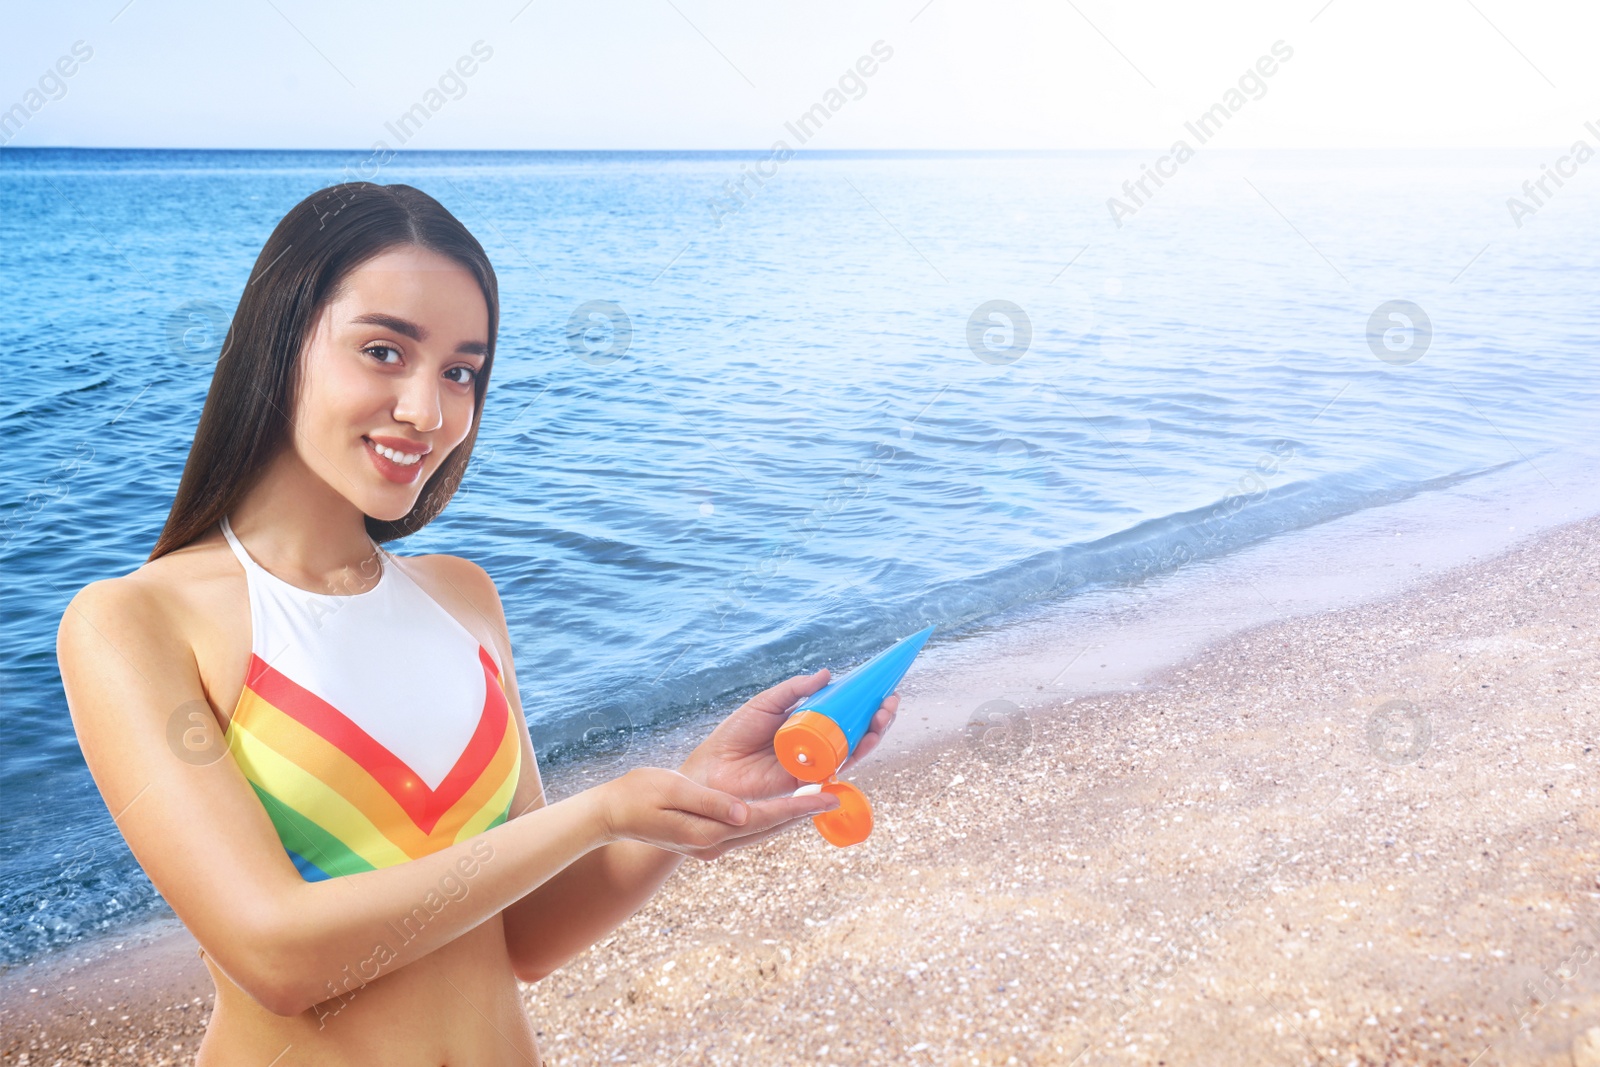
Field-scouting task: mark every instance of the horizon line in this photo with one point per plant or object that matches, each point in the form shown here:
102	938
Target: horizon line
797	151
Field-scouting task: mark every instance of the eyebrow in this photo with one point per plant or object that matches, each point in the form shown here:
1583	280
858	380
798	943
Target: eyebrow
415	332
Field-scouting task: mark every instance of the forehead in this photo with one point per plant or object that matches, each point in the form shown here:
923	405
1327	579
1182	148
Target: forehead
415	283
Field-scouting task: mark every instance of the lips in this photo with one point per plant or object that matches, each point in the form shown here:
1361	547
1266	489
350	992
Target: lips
399	473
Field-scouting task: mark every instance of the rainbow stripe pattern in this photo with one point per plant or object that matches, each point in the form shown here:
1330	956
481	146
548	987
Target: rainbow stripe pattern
341	801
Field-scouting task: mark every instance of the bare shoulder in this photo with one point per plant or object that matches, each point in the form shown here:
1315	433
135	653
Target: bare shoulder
114	630
467	592
114	604
471	580
458	569
150	598
189	608
172	589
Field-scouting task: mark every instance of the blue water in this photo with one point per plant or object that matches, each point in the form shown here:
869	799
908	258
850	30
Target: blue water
799	457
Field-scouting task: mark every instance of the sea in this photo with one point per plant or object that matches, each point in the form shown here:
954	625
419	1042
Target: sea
751	416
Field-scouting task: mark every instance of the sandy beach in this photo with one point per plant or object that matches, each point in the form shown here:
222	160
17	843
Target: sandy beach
1365	836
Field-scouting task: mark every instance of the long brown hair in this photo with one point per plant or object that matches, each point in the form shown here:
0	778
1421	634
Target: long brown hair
245	420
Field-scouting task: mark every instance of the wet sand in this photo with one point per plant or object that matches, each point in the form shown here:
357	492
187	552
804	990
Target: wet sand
1369	835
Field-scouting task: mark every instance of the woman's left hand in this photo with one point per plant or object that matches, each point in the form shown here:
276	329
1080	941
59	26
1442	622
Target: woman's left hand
737	756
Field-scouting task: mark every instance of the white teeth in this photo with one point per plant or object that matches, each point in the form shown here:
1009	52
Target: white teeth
405	459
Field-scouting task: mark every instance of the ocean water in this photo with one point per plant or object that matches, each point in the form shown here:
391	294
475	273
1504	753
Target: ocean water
735	437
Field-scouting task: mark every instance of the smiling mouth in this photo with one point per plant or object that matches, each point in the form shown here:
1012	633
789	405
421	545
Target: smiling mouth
401	468
394	455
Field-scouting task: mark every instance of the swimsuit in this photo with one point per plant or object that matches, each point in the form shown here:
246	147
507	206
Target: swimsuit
374	727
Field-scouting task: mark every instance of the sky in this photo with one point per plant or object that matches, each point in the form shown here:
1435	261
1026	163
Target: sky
696	74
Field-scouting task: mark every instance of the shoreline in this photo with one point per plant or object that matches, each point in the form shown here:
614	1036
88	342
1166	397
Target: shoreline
1276	843
1118	638
1355	836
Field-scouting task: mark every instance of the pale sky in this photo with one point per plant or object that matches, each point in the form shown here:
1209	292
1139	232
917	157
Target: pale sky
694	74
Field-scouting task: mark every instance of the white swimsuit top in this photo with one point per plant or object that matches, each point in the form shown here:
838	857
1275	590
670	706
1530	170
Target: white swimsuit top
374	727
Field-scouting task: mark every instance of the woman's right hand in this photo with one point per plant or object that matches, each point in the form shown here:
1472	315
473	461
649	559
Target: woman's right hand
670	810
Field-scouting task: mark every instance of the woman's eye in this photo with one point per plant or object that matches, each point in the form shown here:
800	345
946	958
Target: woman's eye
468	370
381	348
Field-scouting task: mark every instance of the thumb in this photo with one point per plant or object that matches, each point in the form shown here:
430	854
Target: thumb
781	697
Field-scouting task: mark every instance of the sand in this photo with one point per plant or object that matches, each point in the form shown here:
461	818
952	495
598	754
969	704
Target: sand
1358	837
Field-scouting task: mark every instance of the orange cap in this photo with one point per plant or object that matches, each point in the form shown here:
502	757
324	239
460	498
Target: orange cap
851	821
810	746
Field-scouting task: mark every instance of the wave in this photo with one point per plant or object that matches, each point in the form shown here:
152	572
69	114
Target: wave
854	627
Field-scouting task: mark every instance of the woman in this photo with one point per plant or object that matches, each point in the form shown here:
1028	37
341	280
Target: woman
315	748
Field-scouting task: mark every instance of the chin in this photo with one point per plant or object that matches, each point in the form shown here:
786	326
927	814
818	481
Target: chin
386	507
390	512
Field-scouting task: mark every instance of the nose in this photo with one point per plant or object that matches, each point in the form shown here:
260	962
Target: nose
418	403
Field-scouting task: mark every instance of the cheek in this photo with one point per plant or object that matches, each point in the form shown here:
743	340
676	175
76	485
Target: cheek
339	401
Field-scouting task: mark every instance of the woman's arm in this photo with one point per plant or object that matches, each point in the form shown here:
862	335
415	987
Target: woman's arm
200	833
559	920
597	893
594	895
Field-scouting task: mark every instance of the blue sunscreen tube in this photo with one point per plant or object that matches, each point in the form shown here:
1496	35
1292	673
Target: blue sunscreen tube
823	731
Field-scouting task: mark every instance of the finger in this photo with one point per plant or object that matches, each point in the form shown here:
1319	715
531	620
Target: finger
780	818
690	796
746	840
779	810
885	713
864	747
708	811
782	825
767	819
781	697
670	797
714	804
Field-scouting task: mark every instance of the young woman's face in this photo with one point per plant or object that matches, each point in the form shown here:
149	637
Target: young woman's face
389	374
